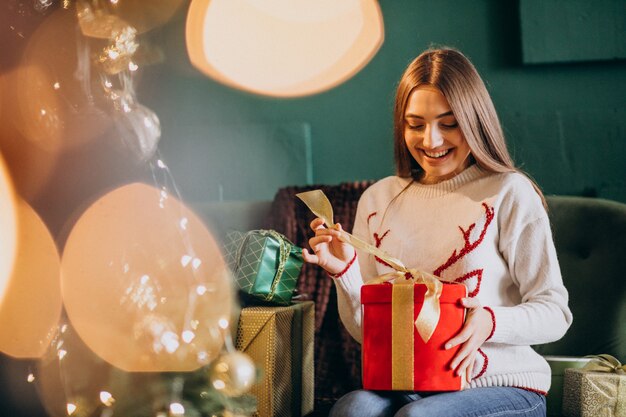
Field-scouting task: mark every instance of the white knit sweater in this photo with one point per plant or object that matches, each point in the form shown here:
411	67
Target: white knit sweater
488	231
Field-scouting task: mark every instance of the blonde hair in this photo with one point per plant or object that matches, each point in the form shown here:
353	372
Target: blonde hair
457	79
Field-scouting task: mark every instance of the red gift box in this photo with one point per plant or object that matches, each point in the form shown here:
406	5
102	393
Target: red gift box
385	367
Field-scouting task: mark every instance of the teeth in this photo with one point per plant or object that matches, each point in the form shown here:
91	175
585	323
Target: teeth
437	154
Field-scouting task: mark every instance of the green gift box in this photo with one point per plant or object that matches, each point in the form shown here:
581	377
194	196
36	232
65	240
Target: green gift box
265	263
558	365
595	391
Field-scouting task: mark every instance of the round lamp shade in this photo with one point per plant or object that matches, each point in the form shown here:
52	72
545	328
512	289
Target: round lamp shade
31	308
8	228
144	283
283	48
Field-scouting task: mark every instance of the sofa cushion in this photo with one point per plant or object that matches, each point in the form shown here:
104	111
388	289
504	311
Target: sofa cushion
590	238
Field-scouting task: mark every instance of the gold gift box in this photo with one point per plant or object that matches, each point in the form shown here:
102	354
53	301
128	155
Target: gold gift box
558	365
280	342
594	394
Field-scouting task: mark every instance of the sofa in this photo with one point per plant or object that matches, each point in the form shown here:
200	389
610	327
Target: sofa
589	234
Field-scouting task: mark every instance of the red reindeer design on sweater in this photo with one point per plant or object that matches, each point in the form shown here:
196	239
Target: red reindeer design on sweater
379	240
482	360
467	248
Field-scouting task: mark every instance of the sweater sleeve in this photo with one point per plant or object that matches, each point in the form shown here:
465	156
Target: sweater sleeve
349	284
543	315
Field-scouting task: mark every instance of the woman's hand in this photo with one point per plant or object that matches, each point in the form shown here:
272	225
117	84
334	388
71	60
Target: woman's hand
476	330
328	251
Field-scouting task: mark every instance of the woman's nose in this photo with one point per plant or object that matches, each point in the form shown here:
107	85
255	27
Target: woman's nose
432	137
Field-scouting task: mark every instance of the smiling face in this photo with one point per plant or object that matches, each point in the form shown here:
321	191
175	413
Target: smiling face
433	137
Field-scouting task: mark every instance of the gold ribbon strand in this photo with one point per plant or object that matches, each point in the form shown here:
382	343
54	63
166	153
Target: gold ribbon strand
604	363
428	318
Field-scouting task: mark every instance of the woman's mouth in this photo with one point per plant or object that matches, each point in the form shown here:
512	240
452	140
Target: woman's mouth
436	155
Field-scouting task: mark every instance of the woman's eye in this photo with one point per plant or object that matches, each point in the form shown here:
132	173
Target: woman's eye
449	125
415	127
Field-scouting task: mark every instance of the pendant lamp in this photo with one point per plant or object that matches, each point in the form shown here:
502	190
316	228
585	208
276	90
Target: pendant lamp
283	48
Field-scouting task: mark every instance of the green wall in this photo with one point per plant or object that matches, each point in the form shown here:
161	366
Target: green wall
565	123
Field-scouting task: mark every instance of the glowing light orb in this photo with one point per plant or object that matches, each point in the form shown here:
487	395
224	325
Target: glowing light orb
31	307
283	48
58	99
8	220
31	166
130	275
77	377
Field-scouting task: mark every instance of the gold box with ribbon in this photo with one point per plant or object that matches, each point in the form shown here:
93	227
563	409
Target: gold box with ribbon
596	390
280	342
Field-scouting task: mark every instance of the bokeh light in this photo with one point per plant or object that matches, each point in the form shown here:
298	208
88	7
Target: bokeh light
8	222
58	99
70	377
233	373
31	166
131	267
145	290
145	15
31	308
283	48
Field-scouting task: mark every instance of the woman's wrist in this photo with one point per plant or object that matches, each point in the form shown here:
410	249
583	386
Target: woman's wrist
493	322
343	271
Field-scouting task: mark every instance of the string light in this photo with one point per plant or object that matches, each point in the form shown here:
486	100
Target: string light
177	409
106	398
188	336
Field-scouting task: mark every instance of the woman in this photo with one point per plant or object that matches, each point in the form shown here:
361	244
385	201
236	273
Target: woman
457	208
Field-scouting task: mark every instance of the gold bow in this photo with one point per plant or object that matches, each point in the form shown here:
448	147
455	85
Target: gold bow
403	278
604	363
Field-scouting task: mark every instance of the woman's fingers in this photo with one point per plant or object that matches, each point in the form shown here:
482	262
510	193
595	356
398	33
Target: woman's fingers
470	369
317	223
327	248
463	357
474	333
315	241
470	302
462	337
464	366
465	350
310	257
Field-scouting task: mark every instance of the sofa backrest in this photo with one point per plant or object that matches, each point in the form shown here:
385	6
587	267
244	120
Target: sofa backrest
222	217
590	238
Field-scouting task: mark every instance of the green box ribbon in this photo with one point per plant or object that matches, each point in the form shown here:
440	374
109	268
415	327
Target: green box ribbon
265	264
